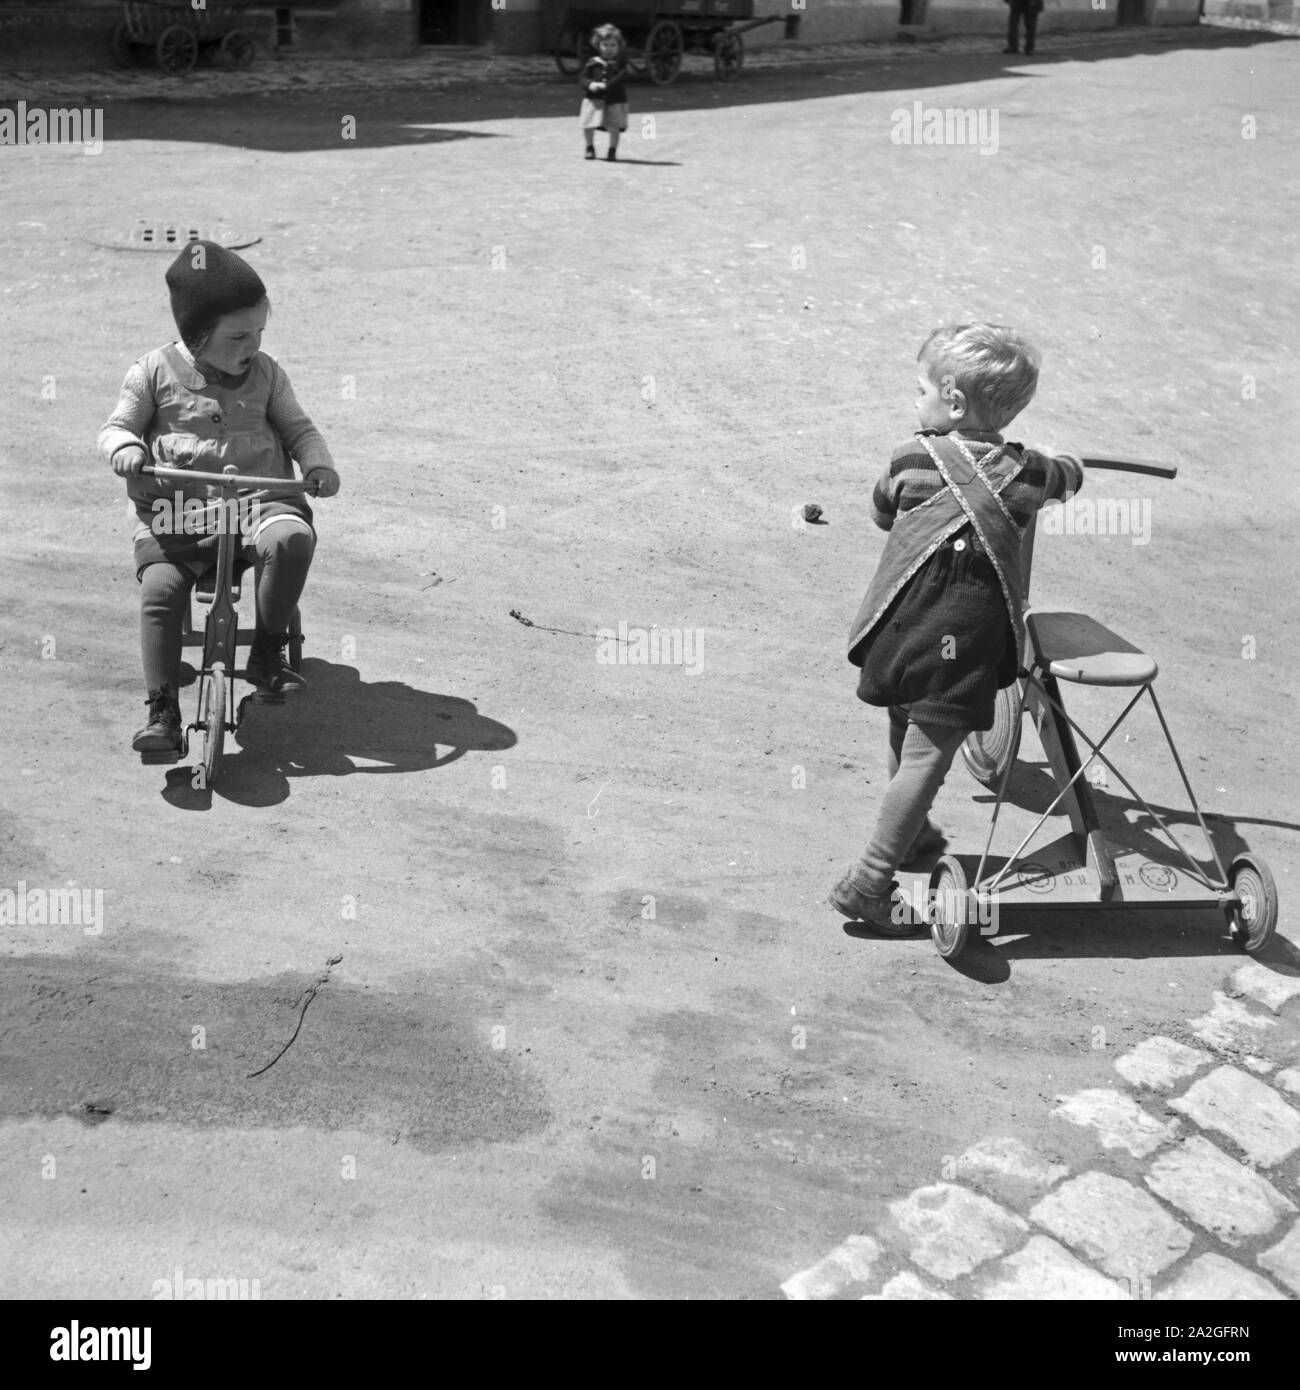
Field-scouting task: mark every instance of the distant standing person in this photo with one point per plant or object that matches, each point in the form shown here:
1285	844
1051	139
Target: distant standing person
603	81
1028	11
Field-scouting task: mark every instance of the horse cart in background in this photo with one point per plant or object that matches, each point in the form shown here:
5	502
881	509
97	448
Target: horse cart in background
657	39
177	33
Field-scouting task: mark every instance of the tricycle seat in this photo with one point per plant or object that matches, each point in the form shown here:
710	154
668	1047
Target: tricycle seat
205	584
1075	647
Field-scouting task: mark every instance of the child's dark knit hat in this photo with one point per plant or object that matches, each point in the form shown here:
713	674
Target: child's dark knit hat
206	281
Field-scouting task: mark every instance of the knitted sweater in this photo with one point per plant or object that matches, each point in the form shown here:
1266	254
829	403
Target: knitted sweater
183	419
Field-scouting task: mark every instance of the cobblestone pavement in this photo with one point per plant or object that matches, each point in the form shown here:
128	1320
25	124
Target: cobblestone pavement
442	67
1191	1196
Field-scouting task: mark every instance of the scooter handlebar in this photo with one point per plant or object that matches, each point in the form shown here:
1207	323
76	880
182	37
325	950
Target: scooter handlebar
1155	470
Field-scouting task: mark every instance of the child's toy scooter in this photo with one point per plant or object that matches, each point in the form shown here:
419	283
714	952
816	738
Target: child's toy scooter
218	591
1082	868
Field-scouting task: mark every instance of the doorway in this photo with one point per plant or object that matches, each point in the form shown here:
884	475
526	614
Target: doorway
1131	13
450	22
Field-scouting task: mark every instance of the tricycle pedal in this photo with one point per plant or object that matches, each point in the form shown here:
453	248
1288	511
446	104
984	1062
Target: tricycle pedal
160	757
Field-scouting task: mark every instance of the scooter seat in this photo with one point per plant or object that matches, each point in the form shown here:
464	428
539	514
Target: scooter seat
1075	647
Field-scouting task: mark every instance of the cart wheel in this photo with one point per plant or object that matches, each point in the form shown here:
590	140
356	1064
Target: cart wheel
212	722
988	754
238	49
572	49
951	909
120	45
728	56
1254	915
295	642
663	52
178	50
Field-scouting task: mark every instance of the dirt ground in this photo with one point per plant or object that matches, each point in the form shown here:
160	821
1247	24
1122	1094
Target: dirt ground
580	906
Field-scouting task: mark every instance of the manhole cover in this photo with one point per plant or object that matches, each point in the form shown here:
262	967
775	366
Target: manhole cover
153	235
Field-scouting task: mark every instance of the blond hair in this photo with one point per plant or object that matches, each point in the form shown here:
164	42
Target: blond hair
995	367
609	31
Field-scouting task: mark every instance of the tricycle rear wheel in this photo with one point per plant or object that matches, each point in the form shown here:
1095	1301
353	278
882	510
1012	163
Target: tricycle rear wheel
989	753
1254	915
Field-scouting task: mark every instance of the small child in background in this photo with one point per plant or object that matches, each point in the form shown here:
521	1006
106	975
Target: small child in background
603	81
941	629
213	399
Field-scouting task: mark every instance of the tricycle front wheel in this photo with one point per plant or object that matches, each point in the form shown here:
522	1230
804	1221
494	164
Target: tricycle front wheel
212	722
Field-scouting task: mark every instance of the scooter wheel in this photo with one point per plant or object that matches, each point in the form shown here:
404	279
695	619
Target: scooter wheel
951	906
1254	915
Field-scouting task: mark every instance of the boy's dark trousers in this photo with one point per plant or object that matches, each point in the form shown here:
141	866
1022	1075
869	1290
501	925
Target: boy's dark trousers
1028	10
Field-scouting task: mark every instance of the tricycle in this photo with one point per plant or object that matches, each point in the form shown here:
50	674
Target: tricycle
1084	868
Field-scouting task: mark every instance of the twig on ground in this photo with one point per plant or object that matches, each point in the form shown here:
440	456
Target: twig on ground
308	996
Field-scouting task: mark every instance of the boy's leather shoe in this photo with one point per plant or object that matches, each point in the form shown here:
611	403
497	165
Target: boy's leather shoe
162	732
889	914
267	669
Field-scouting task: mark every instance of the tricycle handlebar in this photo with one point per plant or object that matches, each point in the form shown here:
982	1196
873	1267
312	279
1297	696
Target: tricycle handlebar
1157	470
242	480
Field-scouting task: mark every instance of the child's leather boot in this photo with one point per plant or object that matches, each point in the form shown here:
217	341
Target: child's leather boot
162	732
267	667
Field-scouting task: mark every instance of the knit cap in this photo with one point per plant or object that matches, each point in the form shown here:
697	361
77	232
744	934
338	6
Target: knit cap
206	281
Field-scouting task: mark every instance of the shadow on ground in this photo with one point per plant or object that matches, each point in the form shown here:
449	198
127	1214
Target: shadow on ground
338	726
103	1045
294	122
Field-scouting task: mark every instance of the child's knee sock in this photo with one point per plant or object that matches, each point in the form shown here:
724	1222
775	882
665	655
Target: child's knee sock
926	755
283	558
897	733
164	596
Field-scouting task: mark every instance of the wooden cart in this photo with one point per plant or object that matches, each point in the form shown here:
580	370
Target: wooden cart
657	38
177	33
